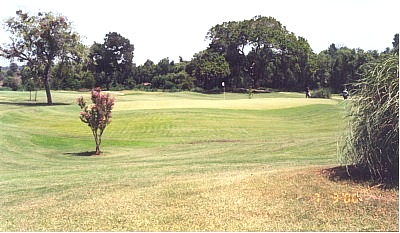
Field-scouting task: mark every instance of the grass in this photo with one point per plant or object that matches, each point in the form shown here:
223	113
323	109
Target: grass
372	138
181	162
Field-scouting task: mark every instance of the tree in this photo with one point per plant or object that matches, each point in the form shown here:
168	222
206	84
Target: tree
186	82
209	69
30	86
40	41
12	82
73	74
261	52
114	58
14	68
146	72
30	80
164	66
97	115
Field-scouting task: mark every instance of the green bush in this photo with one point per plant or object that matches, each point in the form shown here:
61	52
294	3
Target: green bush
117	87
372	137
5	89
174	89
12	82
198	89
324	93
168	85
141	87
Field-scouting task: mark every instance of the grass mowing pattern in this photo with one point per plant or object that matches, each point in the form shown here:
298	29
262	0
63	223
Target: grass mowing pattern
167	166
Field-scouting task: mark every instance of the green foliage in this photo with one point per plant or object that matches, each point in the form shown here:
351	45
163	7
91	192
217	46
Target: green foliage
97	115
5	89
184	81
12	82
258	52
40	41
277	58
324	93
168	85
112	60
3	74
372	139
13	68
198	89
209	69
250	93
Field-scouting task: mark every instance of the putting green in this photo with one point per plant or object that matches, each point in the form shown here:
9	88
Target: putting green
246	104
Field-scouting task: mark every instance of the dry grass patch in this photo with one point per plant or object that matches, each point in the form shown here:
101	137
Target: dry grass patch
259	200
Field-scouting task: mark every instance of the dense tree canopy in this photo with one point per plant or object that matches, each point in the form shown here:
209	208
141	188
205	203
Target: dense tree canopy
257	53
40	41
261	52
209	69
112	60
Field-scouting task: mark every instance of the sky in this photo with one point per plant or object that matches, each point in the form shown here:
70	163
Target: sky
171	28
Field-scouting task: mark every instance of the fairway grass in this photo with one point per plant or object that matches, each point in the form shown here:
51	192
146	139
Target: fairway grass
181	162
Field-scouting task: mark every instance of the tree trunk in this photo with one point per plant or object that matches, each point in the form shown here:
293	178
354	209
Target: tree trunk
97	149
48	94
97	139
47	85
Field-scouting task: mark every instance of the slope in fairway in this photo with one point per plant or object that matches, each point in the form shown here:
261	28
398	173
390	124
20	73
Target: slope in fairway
181	162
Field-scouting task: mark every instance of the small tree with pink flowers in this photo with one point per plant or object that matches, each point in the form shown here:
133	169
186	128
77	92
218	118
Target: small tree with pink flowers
98	114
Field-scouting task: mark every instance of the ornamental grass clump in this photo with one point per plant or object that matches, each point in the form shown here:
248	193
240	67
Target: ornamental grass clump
372	137
98	114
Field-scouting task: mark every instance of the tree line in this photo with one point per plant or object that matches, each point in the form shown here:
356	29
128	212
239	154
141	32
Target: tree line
259	53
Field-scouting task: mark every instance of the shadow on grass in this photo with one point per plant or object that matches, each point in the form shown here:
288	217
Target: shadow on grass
357	174
350	172
87	153
32	104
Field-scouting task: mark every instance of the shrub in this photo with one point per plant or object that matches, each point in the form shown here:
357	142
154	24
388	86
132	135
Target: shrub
250	93
198	89
117	87
324	93
168	85
372	137
5	89
215	90
13	82
97	115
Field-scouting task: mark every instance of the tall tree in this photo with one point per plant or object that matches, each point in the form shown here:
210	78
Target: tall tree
260	51
40	41
146	72
231	40
73	74
209	69
164	66
14	68
113	58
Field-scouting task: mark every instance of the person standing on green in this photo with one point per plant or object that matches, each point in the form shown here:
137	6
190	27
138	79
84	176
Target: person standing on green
345	94
308	92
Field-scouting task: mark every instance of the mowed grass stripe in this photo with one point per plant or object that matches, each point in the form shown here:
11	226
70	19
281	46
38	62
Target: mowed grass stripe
251	104
215	167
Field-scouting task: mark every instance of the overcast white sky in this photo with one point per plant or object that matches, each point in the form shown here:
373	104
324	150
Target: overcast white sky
173	28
